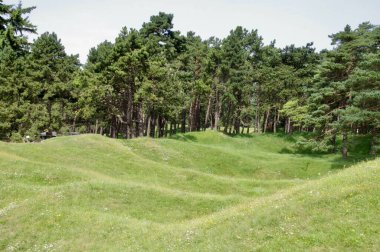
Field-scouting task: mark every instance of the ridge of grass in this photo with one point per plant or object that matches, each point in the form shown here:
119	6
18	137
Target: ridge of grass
201	191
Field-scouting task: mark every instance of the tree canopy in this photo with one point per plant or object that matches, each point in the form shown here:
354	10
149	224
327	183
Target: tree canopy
155	81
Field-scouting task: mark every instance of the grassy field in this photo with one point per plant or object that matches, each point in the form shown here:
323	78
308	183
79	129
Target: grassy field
193	192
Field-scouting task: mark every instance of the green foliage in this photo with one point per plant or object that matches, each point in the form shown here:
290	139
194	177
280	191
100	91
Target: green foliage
311	145
13	26
298	114
152	80
16	137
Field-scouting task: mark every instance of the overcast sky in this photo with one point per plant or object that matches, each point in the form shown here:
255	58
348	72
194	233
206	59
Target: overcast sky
82	24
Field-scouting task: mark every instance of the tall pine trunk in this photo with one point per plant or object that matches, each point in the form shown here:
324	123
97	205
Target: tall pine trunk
344	145
147	133
208	111
373	142
217	114
266	120
183	123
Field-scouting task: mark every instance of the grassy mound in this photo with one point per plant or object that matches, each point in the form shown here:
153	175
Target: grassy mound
199	191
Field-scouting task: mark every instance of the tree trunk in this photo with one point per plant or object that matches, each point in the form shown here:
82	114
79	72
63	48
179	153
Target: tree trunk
344	145
49	105
171	129
198	115
258	128
217	112
75	119
237	125
138	118
217	118
191	116
288	126
166	129
333	140
231	125
266	120
175	128
183	125
161	124
373	142
275	120
148	127
208	111
96	127
258	123
153	126
228	120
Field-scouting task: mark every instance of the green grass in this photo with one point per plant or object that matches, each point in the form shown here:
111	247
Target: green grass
193	192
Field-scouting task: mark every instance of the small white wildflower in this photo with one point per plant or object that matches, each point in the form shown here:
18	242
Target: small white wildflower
10	248
8	208
48	246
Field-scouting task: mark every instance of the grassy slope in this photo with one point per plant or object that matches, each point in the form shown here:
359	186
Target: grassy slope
199	191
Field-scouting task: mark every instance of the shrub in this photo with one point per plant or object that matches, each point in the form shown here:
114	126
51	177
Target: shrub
16	137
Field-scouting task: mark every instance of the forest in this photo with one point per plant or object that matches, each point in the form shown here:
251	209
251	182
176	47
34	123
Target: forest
156	81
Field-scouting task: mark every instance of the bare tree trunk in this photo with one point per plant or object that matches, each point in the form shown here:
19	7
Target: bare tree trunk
231	125
373	142
288	126
228	120
113	132
258	123
198	115
153	126
148	127
137	120
183	125
334	150
344	145
74	122
275	120
166	129
157	127
175	128
217	118
49	105
161	126
194	115
237	122
208	111
266	120
217	111
96	127
142	123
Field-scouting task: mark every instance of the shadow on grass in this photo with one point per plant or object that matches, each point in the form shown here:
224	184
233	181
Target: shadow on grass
239	135
340	163
184	137
358	146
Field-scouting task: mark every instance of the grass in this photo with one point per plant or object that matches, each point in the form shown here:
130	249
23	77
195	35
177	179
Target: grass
193	192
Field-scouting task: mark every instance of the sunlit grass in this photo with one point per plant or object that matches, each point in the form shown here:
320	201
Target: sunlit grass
194	192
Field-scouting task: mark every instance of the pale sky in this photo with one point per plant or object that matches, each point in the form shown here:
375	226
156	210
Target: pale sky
82	24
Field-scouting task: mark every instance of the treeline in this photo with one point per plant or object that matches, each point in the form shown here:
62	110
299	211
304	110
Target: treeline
156	81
